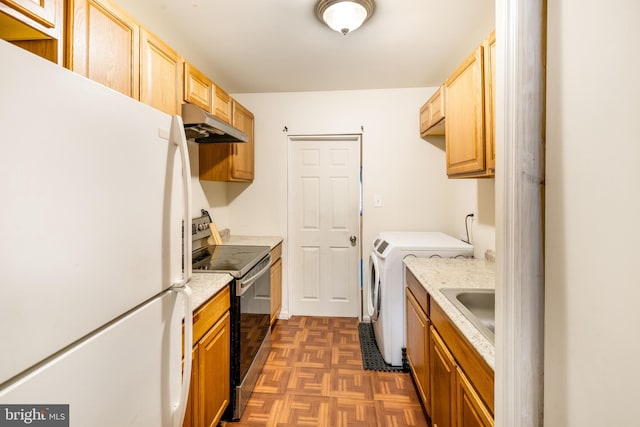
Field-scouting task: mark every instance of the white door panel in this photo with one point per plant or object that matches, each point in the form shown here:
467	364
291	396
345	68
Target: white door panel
324	206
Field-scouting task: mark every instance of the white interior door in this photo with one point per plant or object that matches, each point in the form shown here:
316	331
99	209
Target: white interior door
324	204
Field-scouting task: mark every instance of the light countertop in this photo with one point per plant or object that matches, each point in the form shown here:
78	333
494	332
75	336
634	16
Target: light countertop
206	285
271	241
438	273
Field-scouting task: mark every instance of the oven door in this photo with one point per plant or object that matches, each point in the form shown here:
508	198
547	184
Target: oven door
254	291
250	334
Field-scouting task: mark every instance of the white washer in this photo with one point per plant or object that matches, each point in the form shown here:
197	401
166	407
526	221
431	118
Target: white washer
386	302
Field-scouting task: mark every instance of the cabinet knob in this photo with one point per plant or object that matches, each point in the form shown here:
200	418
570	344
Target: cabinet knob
353	240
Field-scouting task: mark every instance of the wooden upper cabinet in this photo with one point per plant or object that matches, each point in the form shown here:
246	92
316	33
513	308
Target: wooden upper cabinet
432	115
160	74
468	98
464	125
198	88
41	11
105	45
222	107
231	162
490	101
243	155
34	25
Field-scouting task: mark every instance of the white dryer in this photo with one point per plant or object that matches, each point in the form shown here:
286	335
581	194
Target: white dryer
386	302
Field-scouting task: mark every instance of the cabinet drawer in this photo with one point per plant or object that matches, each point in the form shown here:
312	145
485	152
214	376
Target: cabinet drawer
207	315
276	253
418	291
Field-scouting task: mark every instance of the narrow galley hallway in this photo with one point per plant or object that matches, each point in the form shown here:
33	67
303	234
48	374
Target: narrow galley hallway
314	377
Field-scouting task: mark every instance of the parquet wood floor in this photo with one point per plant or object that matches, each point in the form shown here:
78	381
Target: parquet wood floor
314	377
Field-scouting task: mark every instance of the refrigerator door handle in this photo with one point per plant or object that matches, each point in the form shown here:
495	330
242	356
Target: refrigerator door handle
178	137
179	409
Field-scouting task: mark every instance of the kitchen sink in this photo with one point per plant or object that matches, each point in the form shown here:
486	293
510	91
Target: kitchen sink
477	305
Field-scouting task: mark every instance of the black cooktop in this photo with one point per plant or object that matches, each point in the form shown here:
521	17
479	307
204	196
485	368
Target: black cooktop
236	260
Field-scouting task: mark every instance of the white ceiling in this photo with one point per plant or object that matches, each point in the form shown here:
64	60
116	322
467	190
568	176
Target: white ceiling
280	46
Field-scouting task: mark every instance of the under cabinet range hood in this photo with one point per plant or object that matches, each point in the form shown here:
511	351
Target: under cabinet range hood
203	127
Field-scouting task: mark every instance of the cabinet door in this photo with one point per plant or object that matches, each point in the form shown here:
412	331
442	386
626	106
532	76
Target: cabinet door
160	74
35	26
276	289
418	348
191	414
42	12
242	155
490	101
222	105
471	412
464	125
197	87
432	115
105	45
443	383
213	372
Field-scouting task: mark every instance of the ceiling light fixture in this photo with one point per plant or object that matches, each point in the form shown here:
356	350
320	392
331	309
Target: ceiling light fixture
344	16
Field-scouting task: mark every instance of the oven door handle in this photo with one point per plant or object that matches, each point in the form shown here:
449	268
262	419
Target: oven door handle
245	284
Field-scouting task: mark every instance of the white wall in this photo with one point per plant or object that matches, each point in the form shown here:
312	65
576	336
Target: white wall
406	171
592	212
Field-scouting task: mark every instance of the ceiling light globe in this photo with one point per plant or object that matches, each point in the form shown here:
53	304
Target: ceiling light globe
344	16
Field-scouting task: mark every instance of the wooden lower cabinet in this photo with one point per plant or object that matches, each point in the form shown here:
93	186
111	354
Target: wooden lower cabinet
191	413
453	382
471	411
418	343
213	378
276	289
210	375
443	383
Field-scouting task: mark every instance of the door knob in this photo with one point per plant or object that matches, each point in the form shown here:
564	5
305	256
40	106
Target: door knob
353	240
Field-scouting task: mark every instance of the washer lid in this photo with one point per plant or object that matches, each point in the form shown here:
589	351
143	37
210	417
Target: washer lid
418	240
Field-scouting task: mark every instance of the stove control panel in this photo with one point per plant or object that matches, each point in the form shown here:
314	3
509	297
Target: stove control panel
200	226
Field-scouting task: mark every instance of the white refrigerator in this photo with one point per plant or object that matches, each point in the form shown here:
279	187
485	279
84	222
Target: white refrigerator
94	187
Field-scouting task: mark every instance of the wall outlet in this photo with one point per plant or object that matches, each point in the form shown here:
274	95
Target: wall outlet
377	200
